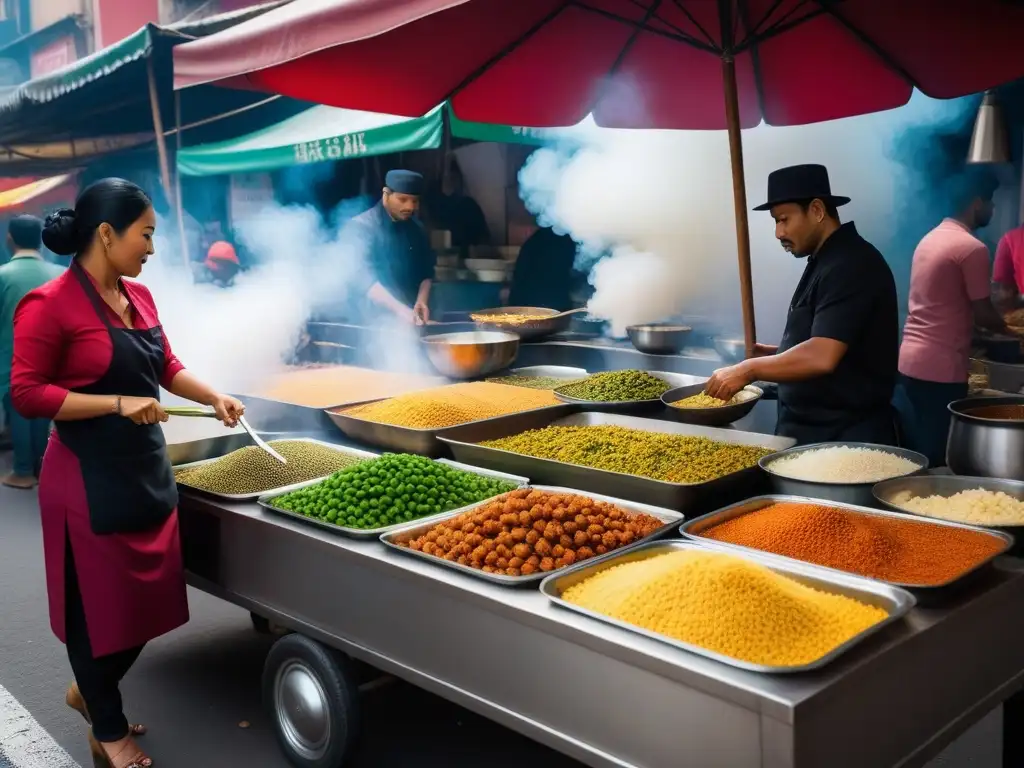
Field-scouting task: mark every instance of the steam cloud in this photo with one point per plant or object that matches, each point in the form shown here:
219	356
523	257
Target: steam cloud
659	205
237	339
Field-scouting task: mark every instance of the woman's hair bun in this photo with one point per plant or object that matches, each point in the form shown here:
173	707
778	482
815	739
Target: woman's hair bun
60	232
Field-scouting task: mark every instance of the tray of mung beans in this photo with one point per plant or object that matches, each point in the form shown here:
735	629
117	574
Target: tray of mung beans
626	391
748	610
520	537
686	467
393	490
905	552
411	423
247	473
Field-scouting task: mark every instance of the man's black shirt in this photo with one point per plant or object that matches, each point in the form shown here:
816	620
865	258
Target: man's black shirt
847	293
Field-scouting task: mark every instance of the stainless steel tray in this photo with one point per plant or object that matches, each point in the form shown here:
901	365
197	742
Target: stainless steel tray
277	491
694	528
405	439
848	493
668	516
896	602
192	451
947	485
551	371
675	380
688	498
267	502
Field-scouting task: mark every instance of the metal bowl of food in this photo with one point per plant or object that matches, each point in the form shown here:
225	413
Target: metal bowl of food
986	437
730	350
659	338
471	354
525	322
742	403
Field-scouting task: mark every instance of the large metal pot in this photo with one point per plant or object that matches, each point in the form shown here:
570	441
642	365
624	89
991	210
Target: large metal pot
985	447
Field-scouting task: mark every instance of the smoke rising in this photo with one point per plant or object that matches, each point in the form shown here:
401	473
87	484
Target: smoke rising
238	338
659	204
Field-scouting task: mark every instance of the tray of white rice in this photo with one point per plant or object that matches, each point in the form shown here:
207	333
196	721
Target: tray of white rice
985	501
845	472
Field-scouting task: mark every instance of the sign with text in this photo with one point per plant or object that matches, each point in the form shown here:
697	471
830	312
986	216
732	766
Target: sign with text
336	148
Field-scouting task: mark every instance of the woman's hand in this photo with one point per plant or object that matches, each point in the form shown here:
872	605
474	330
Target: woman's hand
228	409
142	410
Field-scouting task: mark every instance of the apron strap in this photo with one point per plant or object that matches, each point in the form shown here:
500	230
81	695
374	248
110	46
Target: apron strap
98	304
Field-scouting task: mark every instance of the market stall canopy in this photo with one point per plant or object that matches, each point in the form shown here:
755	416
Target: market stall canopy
318	134
38	192
548	62
331	133
100	103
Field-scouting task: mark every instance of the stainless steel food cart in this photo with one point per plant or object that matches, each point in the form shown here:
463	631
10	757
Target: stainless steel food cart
600	694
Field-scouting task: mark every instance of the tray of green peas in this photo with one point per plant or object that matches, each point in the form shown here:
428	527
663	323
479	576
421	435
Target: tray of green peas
379	495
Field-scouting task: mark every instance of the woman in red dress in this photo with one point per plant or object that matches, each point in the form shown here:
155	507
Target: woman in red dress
89	354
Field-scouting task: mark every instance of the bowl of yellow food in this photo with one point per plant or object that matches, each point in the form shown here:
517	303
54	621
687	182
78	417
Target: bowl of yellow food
691	405
525	322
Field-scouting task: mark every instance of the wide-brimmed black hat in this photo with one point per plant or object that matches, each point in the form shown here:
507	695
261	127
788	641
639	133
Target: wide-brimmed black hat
800	182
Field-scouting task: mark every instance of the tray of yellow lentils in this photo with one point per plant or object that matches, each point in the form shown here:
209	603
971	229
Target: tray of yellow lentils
412	422
753	611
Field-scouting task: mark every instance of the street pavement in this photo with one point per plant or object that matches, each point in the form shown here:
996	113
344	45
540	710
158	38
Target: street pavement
198	689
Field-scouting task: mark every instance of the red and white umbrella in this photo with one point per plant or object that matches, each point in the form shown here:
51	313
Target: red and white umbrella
675	64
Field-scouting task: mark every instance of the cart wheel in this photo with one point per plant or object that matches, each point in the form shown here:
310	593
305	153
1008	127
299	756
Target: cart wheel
313	699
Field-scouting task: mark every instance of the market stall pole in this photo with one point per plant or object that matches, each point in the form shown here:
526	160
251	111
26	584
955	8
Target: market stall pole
541	62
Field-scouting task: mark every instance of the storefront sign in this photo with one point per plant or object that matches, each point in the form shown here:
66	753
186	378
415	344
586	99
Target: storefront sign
53	56
338	148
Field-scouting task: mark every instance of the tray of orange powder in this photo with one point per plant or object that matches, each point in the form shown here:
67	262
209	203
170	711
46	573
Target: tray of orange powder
894	548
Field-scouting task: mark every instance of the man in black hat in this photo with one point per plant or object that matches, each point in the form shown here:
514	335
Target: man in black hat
836	365
397	249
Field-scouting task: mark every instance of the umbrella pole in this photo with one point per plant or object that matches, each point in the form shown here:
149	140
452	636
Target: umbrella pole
158	129
739	194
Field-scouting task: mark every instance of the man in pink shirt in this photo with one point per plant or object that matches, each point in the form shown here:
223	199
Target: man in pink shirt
1008	270
949	295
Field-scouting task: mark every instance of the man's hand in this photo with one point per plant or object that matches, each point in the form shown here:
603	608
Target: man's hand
421	313
765	350
726	382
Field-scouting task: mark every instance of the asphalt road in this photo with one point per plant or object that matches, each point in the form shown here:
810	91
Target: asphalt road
195	687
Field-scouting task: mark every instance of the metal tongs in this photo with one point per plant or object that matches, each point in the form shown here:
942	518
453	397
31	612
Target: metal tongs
209	414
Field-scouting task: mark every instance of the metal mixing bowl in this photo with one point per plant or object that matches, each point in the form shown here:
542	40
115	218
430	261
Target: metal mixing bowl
659	338
471	354
711	417
730	350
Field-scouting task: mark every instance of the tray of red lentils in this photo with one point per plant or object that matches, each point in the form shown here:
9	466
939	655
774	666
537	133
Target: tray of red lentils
886	546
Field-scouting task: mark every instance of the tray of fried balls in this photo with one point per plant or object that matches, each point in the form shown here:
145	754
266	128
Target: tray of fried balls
521	536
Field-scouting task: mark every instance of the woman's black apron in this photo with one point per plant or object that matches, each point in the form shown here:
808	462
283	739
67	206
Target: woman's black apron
129	483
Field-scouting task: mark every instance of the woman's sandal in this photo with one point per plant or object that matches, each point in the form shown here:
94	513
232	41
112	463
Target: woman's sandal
100	758
74	699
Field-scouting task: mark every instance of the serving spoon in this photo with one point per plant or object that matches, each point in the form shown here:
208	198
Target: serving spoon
205	413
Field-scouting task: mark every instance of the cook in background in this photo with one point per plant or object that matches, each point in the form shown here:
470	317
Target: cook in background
1008	271
950	294
836	365
396	250
543	275
452	209
25	272
220	267
89	353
